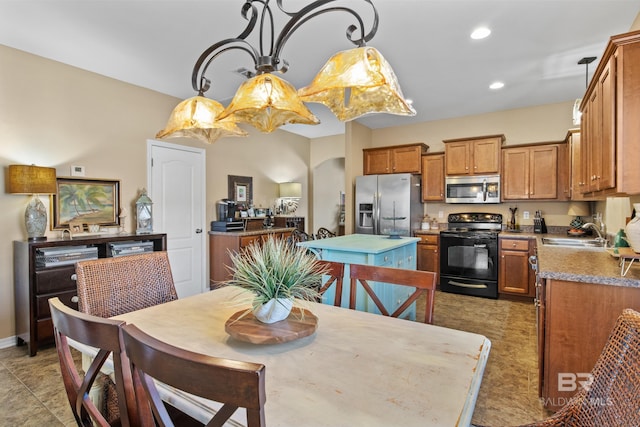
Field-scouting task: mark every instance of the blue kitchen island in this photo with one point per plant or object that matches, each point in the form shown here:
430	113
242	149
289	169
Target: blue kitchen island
370	250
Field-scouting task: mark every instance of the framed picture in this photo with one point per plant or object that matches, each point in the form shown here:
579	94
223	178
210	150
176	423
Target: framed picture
86	201
240	189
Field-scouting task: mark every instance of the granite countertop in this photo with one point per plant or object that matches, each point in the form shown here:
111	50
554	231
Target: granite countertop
253	232
588	265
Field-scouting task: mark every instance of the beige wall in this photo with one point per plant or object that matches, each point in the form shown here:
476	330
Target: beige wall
56	115
520	126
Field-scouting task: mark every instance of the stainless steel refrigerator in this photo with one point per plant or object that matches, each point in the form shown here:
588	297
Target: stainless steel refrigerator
388	204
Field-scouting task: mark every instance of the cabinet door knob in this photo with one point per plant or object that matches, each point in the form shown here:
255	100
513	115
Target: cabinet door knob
74	277
198	230
514	245
75	298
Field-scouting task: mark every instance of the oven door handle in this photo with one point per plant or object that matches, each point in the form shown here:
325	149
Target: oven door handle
478	245
467	285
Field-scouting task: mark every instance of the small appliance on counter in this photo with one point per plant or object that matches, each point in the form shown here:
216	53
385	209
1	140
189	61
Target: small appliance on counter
539	225
227	226
226	211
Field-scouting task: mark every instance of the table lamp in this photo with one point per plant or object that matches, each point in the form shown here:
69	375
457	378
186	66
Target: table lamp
290	193
33	180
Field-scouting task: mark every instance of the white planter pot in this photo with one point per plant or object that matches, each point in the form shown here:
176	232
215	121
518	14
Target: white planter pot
273	310
632	230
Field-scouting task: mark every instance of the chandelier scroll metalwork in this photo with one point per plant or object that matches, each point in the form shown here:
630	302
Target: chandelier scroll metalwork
352	83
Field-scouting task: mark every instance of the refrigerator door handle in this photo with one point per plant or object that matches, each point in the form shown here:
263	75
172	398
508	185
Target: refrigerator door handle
375	213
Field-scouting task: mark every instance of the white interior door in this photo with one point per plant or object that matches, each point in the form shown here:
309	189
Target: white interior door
177	190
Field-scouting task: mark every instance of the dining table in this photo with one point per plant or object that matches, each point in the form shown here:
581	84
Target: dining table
355	369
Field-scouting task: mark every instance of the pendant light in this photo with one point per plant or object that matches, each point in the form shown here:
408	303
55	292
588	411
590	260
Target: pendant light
353	83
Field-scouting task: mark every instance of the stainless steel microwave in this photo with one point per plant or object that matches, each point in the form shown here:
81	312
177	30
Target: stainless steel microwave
472	189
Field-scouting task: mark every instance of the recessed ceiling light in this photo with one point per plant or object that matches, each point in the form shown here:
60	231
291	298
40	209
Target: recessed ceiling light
480	33
496	85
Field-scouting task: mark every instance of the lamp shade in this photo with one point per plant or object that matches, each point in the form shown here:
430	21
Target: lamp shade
23	179
356	82
267	102
197	118
578	209
290	190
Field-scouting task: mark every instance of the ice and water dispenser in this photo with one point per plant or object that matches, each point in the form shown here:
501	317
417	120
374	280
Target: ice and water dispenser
365	217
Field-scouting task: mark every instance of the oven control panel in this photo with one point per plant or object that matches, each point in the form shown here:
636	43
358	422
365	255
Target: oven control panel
475	217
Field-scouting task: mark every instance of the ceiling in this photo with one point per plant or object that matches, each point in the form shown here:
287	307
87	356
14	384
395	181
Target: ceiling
534	47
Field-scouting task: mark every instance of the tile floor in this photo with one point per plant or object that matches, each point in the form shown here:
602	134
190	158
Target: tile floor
32	394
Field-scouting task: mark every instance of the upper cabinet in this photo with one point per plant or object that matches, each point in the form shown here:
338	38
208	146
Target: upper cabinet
576	156
473	156
433	177
534	172
610	134
395	159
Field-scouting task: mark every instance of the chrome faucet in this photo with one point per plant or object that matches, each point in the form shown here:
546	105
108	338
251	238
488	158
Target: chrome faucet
597	228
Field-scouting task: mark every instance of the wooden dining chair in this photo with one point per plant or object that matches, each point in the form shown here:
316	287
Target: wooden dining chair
324	233
111	286
235	384
335	274
424	283
612	397
102	334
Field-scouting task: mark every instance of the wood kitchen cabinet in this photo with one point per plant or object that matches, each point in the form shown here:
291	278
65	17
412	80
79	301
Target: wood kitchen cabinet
576	155
515	276
220	243
36	279
575	320
433	177
610	134
532	172
428	253
395	159
473	156
289	221
598	131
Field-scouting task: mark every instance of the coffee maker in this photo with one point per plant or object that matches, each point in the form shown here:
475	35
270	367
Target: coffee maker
226	213
226	210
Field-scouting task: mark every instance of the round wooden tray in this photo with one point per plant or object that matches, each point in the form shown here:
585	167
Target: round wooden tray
249	329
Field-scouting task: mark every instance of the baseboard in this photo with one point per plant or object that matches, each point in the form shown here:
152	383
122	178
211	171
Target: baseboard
7	342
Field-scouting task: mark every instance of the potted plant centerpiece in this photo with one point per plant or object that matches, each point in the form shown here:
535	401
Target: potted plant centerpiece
277	274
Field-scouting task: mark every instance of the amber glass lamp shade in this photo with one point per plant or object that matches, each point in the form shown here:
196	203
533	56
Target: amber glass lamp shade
356	82
22	179
197	118
267	102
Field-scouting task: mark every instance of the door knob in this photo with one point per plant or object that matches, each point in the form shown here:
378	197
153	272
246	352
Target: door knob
198	230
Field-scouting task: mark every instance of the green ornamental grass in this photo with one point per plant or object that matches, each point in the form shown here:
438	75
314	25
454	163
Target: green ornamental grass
276	269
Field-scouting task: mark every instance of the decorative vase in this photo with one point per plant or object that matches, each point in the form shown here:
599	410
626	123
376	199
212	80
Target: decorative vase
632	230
274	310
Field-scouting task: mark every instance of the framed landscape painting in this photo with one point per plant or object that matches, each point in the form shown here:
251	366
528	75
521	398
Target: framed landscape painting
86	200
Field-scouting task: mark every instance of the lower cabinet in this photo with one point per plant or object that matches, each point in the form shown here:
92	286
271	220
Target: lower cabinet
515	276
428	253
220	243
575	322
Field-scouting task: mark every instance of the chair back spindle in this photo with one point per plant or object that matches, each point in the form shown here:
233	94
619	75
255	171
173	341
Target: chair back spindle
235	384
424	283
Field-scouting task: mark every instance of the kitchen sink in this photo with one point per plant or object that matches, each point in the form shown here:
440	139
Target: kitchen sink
573	243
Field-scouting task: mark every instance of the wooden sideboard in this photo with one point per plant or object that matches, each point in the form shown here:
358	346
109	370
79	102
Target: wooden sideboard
221	243
35	283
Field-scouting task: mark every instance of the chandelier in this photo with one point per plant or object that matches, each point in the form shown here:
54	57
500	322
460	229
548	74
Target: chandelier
351	84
